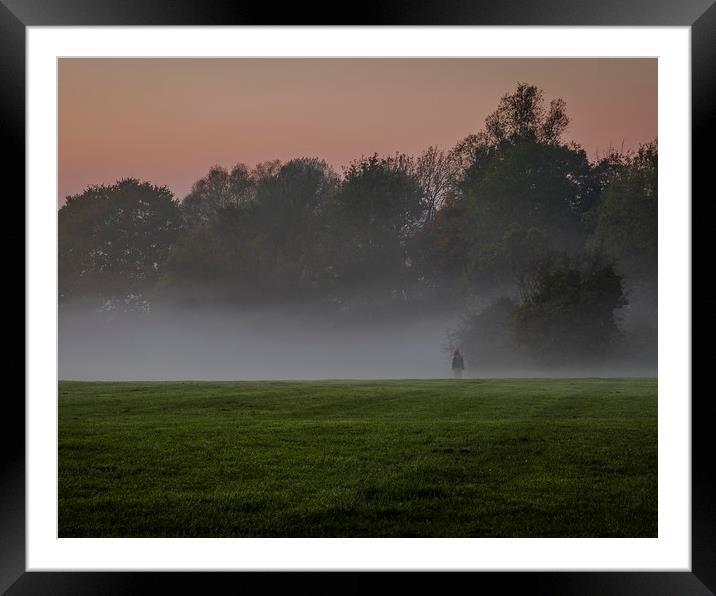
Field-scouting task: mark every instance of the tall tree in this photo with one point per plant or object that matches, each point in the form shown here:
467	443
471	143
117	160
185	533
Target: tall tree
378	208
291	206
523	202
522	115
525	190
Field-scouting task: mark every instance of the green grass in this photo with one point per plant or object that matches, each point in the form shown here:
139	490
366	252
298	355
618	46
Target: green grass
479	458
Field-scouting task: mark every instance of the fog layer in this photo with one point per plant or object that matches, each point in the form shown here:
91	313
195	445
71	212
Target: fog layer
200	345
192	344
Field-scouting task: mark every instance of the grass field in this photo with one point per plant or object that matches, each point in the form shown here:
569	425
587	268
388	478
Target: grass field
481	458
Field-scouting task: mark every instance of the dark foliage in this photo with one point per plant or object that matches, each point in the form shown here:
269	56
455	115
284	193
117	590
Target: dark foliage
114	242
567	313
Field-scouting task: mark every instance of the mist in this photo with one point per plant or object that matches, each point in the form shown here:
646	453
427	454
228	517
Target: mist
277	344
195	344
511	245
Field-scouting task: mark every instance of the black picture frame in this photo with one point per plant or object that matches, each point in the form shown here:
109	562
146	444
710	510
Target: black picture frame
699	15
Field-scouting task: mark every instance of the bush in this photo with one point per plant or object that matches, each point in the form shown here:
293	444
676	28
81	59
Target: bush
567	312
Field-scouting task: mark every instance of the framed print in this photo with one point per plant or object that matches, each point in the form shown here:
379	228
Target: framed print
384	296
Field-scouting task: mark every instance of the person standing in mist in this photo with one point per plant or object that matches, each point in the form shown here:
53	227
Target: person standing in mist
458	364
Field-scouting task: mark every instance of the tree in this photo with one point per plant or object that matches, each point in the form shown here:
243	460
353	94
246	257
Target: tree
627	230
217	190
464	152
567	313
522	115
262	249
627	215
524	190
289	201
437	174
114	241
439	249
523	202
379	206
221	189
215	262
291	205
602	170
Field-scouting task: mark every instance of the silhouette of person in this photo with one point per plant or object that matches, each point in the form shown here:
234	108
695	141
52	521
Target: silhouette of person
458	364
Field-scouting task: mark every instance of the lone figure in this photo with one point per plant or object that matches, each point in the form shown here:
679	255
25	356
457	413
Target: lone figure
457	363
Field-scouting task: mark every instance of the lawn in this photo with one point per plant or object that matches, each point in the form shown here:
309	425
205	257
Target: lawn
474	458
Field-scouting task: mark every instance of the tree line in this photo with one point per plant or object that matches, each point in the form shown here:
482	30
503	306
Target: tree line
544	250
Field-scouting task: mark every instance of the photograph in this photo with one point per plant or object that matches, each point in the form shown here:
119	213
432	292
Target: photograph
352	297
315	303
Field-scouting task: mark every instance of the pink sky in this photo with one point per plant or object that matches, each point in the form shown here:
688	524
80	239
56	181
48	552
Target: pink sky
169	120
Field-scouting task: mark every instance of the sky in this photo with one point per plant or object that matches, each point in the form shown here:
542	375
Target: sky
169	120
